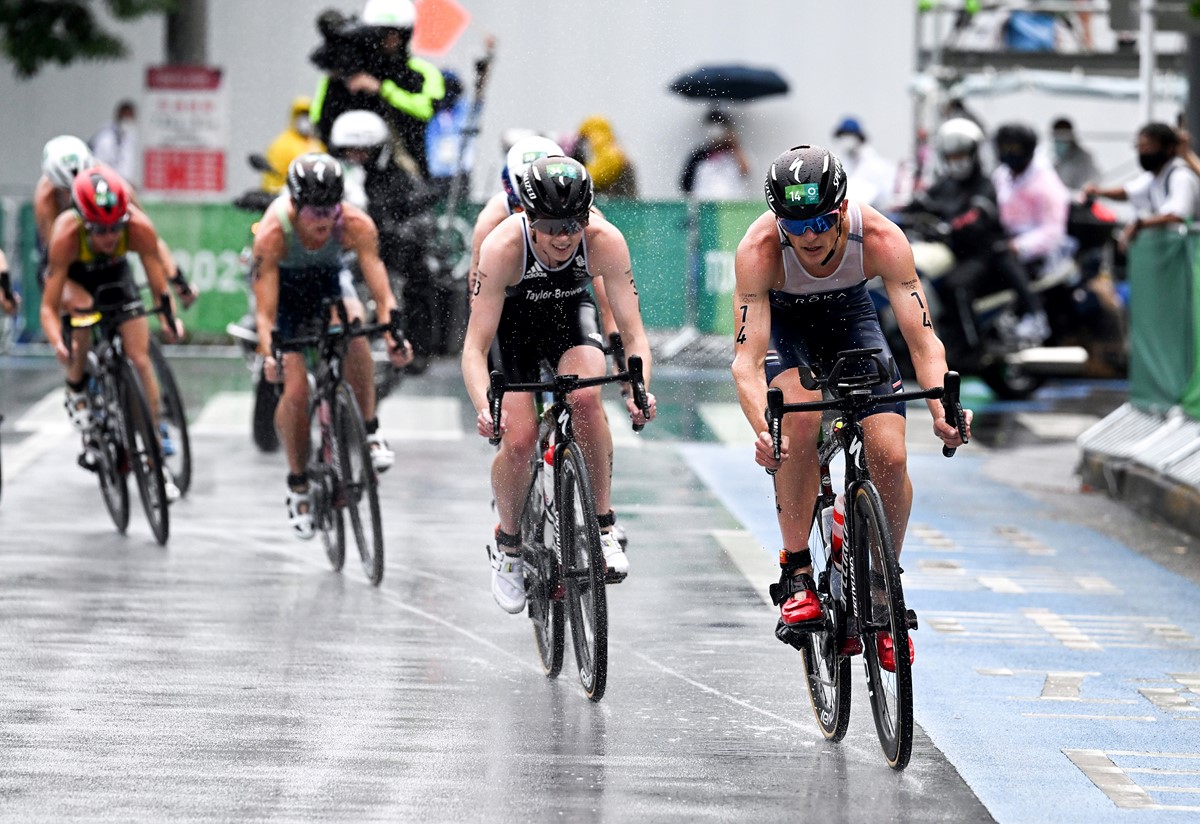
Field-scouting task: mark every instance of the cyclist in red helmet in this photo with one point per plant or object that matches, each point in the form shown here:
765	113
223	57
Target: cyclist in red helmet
88	249
801	290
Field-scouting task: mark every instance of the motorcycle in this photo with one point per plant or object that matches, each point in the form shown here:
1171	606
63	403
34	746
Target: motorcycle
245	332
981	331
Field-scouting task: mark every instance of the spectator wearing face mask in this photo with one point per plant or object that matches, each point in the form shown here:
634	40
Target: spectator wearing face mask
870	177
297	139
1033	201
115	144
1165	193
1074	164
717	169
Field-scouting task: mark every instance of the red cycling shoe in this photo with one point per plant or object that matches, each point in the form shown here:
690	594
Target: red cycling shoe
887	652
801	608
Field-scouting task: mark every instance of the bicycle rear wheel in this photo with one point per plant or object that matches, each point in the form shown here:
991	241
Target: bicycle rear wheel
322	482
543	581
172	422
880	608
583	568
141	447
826	670
357	484
107	438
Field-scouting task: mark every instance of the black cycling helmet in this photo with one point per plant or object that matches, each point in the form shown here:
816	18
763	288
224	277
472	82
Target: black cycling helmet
315	179
804	182
557	187
1015	143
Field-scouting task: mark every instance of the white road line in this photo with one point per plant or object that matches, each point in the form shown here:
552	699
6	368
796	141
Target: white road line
47	423
751	560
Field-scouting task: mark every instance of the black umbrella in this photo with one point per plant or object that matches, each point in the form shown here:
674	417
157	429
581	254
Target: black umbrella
729	83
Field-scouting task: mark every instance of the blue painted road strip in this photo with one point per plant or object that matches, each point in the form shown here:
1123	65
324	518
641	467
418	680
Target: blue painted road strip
1056	668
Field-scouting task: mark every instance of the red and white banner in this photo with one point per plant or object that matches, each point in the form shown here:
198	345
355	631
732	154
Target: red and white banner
186	131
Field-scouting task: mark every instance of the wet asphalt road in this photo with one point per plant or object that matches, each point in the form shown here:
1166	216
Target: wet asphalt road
232	676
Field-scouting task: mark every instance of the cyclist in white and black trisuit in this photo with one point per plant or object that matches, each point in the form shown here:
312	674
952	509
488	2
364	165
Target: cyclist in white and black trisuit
801	290
532	297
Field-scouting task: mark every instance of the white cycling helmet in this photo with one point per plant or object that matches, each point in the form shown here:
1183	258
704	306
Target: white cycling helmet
63	157
392	14
525	151
358	129
957	144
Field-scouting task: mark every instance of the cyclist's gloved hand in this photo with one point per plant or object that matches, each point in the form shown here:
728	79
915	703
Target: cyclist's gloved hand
764	451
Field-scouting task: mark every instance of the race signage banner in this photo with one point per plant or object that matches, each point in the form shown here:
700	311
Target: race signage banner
186	131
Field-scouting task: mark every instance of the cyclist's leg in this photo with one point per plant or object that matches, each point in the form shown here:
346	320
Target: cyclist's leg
358	367
887	460
590	422
511	470
76	299
291	415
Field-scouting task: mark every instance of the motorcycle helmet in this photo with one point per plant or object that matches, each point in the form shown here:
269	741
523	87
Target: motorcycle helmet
805	182
99	196
63	157
390	14
1015	143
557	188
519	156
358	129
315	179
957	144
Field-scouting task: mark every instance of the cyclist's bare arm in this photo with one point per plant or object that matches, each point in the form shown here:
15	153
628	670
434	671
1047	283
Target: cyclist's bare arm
62	251
758	267
490	216
46	207
269	248
888	256
499	267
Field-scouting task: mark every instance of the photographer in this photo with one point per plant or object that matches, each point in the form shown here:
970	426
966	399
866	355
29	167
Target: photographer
370	68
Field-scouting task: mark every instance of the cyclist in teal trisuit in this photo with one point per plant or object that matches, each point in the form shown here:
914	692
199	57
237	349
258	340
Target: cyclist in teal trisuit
801	290
531	296
297	265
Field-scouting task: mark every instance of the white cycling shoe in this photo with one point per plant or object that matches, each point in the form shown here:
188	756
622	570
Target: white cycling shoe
79	410
508	580
614	558
299	506
382	457
170	488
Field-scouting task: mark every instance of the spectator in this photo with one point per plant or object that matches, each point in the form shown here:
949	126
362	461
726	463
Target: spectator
298	138
1074	164
379	75
1033	201
717	168
610	169
447	147
1168	189
871	178
116	143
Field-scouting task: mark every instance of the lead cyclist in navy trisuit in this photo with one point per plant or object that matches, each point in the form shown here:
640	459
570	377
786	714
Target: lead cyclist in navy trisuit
531	296
801	289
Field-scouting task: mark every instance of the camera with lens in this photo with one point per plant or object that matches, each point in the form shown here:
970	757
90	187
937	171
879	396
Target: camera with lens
348	45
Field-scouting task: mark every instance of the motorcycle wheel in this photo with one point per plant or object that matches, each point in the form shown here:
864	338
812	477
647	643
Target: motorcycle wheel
1010	383
266	398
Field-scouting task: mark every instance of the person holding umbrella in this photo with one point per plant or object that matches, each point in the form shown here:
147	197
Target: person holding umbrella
801	289
717	169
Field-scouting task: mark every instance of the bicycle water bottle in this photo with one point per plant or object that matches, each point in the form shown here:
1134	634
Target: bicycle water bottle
548	495
837	531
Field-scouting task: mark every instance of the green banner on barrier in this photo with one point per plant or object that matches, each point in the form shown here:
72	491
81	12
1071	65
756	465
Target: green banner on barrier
721	228
657	234
1161	330
1190	401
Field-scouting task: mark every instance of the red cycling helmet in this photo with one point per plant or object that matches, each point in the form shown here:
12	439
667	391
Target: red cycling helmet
99	195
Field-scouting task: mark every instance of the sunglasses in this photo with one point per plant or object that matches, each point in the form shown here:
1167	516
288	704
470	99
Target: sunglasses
321	212
558	226
104	229
819	224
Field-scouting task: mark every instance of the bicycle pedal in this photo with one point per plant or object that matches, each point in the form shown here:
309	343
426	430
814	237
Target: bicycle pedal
851	646
788	635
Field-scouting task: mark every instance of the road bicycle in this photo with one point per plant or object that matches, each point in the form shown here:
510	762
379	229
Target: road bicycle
123	436
341	476
560	535
858	577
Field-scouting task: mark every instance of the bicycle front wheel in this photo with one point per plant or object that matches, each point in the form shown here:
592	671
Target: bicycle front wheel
357	485
826	670
172	421
142	450
882	614
543	581
583	568
107	438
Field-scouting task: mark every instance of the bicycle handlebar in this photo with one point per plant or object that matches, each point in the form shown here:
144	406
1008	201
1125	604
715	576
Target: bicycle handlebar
852	394
564	384
113	314
346	329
